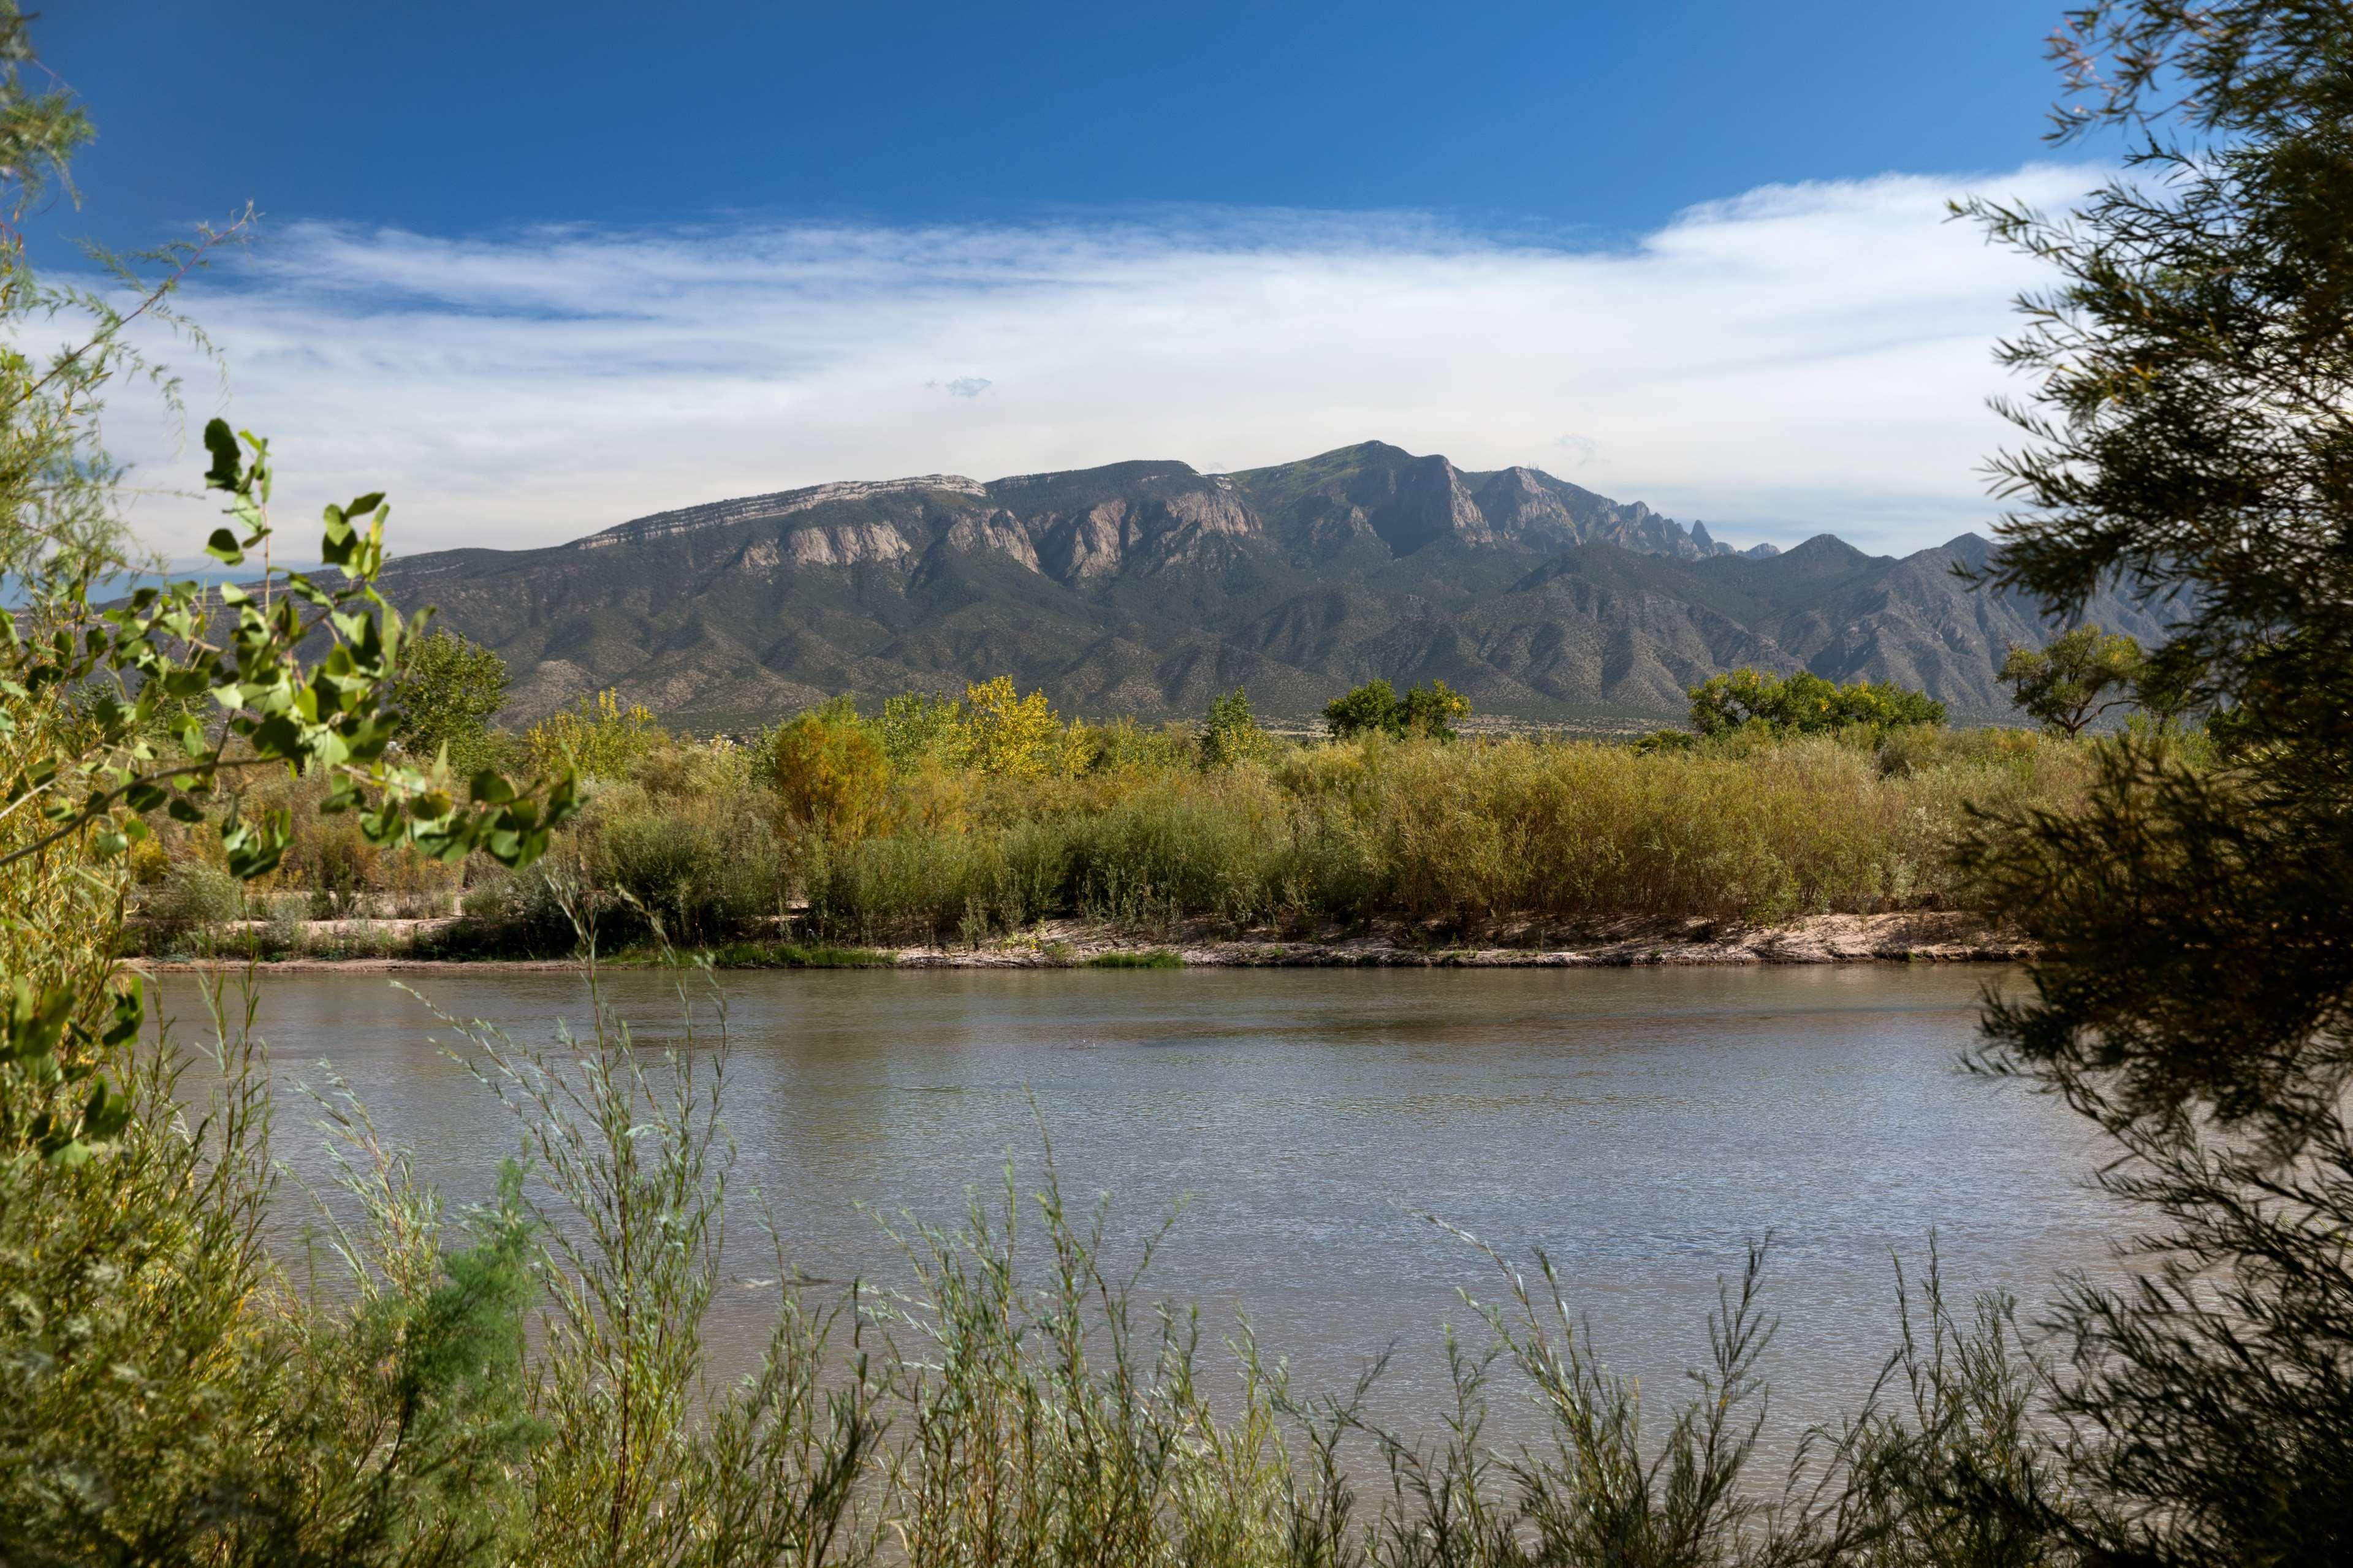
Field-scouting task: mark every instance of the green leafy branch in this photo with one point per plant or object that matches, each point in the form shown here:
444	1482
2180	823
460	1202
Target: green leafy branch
156	650
141	675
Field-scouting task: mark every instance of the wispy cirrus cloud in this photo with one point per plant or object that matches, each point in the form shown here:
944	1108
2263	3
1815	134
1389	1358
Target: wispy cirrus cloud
1799	358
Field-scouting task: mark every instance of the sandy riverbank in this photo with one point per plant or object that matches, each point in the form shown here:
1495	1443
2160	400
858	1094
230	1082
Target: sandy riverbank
1915	937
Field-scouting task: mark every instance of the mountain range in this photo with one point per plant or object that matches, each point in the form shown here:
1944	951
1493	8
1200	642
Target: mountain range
1146	587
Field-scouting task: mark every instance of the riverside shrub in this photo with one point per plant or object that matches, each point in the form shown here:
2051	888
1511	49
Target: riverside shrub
717	840
595	738
706	869
1122	745
831	772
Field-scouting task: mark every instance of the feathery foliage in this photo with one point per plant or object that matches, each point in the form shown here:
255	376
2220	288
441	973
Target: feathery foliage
595	738
2195	995
2196	362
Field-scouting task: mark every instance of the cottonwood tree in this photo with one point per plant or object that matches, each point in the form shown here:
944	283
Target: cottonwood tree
165	701
448	691
1804	703
1231	733
159	1402
1376	707
2075	678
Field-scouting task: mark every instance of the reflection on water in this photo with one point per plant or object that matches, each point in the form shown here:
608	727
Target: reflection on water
1642	1126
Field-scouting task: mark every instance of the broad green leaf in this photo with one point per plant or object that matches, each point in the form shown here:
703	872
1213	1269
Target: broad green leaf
130	1008
227	469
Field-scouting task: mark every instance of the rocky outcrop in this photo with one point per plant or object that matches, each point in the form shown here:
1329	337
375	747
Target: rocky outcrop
1092	544
996	532
1518	504
827	545
782	504
1145	531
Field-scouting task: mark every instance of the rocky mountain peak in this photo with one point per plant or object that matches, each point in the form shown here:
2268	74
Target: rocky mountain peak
1974	550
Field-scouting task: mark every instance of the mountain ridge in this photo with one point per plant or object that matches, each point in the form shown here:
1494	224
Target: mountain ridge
1145	586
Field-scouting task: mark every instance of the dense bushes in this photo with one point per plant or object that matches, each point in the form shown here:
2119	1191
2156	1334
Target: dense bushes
685	843
329	868
598	737
1487	831
952	821
194	898
704	871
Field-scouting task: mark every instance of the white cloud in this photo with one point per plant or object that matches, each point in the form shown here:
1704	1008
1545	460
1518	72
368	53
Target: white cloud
1800	358
1576	451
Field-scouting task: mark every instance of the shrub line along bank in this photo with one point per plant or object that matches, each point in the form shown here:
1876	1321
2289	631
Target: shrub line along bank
989	831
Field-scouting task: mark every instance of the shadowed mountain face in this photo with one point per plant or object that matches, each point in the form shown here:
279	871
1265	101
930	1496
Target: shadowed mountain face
1146	587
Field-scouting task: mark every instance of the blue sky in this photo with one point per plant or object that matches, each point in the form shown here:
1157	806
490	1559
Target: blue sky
1568	117
788	242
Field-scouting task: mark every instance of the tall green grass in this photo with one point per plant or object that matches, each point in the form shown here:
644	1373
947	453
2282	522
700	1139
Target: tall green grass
1154	958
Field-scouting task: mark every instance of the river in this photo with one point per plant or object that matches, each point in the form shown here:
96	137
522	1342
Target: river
1643	1126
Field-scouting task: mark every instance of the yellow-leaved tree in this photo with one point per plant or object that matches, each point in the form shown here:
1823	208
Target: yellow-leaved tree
1012	735
831	772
